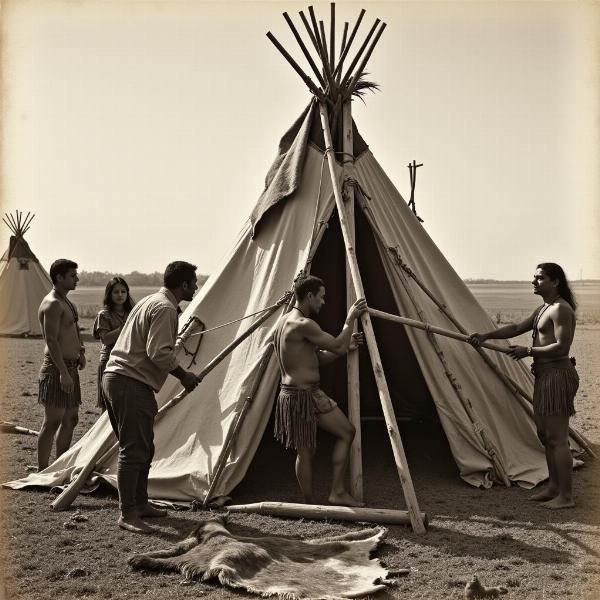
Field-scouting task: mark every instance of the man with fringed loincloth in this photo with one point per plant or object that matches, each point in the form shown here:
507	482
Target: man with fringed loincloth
301	346
556	380
64	354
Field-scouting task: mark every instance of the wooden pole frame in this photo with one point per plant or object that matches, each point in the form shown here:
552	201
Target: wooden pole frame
352	358
384	394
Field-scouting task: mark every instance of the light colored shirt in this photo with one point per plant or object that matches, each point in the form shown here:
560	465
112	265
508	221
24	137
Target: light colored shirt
145	349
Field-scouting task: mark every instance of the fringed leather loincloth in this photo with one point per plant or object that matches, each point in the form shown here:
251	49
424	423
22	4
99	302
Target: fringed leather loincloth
556	384
296	413
50	393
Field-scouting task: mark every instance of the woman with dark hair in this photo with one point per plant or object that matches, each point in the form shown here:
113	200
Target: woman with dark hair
556	380
108	324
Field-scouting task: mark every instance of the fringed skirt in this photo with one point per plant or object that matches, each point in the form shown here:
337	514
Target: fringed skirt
296	414
556	384
50	393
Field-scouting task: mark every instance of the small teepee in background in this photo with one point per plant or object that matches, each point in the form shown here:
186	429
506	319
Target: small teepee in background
23	281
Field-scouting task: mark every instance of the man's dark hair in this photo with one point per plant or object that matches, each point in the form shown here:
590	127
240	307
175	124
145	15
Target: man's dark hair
60	267
556	273
177	273
307	284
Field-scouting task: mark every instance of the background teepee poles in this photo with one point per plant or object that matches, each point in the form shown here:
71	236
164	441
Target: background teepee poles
382	387
17	224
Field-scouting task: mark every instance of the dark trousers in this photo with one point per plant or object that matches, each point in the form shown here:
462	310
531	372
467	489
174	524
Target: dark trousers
131	409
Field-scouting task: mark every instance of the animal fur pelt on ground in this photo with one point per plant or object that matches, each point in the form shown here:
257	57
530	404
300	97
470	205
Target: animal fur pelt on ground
323	568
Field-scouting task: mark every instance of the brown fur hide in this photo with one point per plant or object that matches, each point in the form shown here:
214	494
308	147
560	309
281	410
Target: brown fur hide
324	568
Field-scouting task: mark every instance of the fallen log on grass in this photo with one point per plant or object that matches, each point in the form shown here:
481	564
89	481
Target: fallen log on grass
7	427
321	511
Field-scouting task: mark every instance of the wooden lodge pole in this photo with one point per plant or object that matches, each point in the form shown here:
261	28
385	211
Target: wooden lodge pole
352	364
363	64
304	49
461	337
324	511
338	69
359	53
384	394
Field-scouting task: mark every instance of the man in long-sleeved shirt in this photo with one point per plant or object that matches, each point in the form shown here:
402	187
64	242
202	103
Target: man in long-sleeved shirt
143	356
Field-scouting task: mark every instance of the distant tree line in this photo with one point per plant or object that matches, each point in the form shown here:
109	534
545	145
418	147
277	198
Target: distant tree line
134	279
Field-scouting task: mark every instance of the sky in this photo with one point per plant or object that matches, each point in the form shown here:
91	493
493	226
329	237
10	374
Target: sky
140	132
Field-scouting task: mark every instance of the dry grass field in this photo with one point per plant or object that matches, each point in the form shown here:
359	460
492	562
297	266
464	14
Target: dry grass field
496	533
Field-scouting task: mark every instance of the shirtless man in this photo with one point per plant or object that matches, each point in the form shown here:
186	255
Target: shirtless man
59	390
302	346
556	380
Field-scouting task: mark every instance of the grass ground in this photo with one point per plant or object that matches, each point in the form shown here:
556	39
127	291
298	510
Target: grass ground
496	533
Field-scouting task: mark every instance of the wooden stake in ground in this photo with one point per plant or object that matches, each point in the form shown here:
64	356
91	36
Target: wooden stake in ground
384	394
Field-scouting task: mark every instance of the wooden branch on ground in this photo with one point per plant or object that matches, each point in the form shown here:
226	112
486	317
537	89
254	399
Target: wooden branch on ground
320	511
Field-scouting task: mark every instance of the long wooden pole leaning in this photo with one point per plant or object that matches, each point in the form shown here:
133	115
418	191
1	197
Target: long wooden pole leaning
461	337
105	451
384	394
352	365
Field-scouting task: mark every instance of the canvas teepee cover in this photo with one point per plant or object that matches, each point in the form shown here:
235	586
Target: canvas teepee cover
23	281
258	269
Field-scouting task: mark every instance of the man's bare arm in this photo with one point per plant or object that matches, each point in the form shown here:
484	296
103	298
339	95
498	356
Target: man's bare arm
503	333
325	357
325	341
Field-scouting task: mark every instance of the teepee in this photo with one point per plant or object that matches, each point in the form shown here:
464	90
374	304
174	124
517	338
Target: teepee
23	281
328	208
